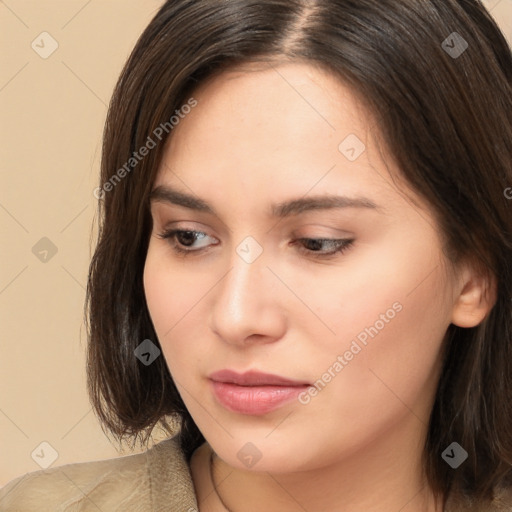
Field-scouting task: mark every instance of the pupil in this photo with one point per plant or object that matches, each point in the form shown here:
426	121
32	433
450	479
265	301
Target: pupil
315	245
187	237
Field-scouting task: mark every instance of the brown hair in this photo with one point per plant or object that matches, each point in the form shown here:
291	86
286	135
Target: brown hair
444	114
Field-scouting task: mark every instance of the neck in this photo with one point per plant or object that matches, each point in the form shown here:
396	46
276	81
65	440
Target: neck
383	477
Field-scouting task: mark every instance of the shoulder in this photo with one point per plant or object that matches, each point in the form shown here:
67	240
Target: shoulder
502	502
142	482
77	485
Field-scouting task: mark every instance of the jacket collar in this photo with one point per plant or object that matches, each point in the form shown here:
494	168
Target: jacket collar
170	480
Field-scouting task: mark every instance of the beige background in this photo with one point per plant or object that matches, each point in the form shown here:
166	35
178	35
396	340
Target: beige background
52	113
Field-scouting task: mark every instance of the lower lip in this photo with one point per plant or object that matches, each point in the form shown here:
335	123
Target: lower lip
254	399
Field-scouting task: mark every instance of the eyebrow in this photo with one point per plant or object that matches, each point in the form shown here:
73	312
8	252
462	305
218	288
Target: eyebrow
166	194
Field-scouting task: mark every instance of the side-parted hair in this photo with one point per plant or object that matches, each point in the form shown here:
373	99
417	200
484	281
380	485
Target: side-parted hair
444	112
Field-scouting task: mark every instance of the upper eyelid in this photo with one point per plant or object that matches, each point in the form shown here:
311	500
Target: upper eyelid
163	229
296	237
159	218
165	221
289	212
326	238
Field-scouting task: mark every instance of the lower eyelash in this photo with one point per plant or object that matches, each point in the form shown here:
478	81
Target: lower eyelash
342	245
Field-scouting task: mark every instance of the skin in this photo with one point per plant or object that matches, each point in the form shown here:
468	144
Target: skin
261	135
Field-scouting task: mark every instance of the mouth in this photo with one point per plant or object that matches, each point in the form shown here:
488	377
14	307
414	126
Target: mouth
254	393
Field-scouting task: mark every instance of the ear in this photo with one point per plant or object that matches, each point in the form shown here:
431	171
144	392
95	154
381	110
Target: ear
476	296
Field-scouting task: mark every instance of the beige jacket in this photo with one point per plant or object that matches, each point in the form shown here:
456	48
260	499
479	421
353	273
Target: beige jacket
153	481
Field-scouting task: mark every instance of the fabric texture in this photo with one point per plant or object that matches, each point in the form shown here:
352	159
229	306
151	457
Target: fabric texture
156	480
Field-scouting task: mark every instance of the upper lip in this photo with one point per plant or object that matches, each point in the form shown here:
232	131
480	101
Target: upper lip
254	378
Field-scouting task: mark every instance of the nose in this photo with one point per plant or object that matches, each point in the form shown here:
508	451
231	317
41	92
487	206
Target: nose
247	305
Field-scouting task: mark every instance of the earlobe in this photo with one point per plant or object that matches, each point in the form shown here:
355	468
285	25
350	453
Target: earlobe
475	300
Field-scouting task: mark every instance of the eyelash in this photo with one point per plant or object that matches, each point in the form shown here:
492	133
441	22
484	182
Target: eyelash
342	245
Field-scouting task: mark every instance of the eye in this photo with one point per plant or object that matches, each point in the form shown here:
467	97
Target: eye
181	237
335	246
181	240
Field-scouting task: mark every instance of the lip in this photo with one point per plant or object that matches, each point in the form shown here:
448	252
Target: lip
253	392
254	378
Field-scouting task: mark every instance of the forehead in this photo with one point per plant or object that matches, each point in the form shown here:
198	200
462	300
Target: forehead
265	129
293	98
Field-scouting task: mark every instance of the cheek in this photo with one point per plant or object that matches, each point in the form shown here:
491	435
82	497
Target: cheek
389	285
390	316
167	297
175	301
404	347
157	285
405	355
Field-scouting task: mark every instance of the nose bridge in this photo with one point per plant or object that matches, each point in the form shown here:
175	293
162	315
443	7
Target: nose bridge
243	305
246	278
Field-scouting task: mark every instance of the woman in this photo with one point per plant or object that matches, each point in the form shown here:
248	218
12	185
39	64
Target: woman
304	259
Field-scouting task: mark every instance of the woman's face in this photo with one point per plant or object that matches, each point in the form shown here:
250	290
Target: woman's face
273	161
